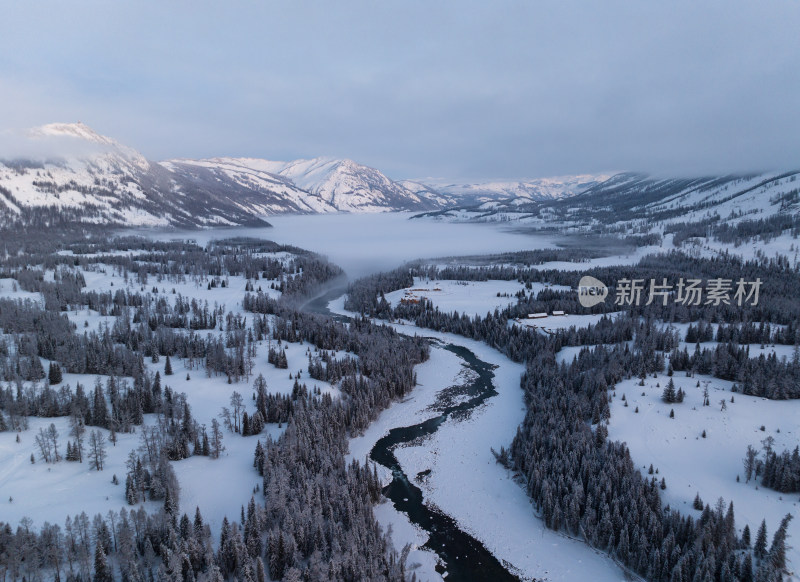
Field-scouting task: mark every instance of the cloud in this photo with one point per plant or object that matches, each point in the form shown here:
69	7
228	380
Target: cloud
23	145
461	89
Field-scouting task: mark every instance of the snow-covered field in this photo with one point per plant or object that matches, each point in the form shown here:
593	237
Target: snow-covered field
51	492
554	322
10	289
469	297
709	466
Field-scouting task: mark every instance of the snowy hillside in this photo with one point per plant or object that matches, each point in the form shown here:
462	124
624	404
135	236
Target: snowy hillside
747	215
68	172
77	175
316	185
521	191
626	198
671	199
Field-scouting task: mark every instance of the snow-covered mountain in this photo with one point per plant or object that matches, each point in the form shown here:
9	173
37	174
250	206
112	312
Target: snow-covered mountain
519	191
316	185
732	198
68	172
637	201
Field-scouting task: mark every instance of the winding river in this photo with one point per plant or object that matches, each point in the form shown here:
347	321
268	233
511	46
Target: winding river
462	557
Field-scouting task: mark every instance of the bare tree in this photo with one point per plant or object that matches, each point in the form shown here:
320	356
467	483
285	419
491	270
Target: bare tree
216	439
225	415
750	462
52	434
44	446
47	441
97	450
78	429
237	403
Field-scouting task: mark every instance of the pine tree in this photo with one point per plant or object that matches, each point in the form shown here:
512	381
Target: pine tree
777	551
54	374
36	371
746	537
131	493
99	408
168	367
698	503
746	573
261	574
760	547
669	395
245	424
216	439
206	450
198	523
102	569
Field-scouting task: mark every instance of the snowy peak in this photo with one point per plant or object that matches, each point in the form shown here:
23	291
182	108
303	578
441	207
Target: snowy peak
350	186
247	179
73	141
318	184
539	189
633	202
77	130
69	172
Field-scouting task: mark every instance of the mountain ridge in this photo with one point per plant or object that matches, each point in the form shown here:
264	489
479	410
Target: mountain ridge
78	175
67	172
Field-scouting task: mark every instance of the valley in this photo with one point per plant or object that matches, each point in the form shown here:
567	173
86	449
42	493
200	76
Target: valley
453	469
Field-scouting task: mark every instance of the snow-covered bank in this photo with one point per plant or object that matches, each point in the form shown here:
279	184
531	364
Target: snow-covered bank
466	482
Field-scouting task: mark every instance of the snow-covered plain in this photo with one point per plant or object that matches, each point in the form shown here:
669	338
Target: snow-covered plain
51	492
10	289
709	466
473	298
554	322
469	297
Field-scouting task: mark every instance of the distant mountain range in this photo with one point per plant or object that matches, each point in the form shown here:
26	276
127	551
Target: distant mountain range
516	192
67	172
78	175
637	203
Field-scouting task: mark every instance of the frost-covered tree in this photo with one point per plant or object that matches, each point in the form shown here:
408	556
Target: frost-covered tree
216	439
54	374
97	450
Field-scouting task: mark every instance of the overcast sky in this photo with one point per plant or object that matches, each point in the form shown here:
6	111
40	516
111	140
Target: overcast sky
447	89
